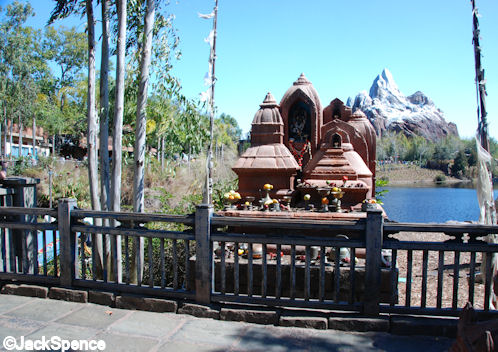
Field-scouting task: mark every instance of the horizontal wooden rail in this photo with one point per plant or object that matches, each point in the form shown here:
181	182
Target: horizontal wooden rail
30	278
441	246
446	228
286	302
137	217
28	226
134	232
28	211
134	289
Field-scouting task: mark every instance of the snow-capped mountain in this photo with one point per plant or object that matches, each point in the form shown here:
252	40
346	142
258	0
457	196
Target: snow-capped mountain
389	110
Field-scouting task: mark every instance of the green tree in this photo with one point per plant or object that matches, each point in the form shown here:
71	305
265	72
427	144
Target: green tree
67	49
22	65
459	164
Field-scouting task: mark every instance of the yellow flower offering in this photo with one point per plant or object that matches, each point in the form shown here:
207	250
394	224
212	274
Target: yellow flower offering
232	196
275	201
268	187
325	200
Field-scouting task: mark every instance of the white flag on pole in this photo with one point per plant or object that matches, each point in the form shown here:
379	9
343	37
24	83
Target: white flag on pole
206	16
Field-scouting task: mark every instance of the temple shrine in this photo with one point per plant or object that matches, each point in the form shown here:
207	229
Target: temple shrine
308	153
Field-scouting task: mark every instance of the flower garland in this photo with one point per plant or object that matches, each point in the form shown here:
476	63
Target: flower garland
299	153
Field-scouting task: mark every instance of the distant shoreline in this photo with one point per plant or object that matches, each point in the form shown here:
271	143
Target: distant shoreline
428	182
406	175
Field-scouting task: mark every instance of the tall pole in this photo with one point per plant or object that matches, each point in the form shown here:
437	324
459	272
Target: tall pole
485	179
208	192
480	82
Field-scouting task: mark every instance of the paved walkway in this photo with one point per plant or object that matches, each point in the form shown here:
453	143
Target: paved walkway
124	330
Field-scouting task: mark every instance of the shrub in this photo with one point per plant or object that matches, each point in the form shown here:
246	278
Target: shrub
439	178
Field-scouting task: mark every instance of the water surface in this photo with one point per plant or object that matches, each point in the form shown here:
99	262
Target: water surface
431	204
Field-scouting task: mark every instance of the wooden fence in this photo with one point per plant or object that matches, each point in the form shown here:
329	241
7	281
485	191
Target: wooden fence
196	257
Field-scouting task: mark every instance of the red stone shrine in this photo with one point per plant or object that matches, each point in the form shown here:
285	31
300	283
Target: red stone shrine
301	149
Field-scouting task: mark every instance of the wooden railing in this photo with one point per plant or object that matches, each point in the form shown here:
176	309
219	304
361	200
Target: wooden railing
197	257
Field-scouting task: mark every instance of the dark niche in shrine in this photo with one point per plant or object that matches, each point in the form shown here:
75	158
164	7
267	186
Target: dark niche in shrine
336	141
299	123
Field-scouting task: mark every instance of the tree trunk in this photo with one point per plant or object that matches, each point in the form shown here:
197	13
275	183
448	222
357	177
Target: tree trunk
112	242
5	132
91	115
2	150
11	132
162	153
34	137
92	134
105	200
118	108
141	120
19	140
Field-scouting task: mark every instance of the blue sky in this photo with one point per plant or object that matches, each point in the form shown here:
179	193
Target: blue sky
341	46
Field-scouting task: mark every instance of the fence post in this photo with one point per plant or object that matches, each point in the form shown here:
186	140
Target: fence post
373	238
203	254
25	242
68	248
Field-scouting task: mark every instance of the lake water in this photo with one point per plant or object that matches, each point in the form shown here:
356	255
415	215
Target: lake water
431	204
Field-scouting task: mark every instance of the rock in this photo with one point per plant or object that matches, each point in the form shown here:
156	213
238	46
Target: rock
146	303
199	311
406	325
304	322
362	324
390	110
103	298
66	294
249	316
25	290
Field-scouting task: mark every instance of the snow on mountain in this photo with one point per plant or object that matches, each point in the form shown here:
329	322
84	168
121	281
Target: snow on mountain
389	110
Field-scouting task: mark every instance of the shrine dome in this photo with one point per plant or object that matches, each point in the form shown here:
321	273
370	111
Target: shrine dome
360	121
267	125
268	113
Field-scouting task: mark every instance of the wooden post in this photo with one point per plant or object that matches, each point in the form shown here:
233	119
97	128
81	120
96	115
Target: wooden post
24	196
203	254
373	237
67	239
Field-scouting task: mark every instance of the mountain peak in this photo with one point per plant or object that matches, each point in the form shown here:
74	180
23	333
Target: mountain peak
384	85
390	110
